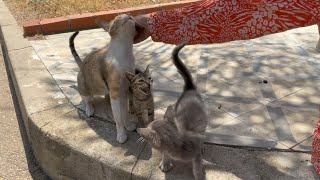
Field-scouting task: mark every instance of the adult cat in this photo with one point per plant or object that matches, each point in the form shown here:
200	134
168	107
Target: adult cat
103	71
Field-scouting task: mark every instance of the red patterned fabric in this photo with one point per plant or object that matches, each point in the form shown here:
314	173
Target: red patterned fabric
315	155
217	21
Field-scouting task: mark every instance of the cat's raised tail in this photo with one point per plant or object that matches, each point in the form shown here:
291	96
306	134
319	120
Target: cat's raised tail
73	50
184	72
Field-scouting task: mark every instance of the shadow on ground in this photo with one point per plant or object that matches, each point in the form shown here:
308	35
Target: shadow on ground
33	167
103	114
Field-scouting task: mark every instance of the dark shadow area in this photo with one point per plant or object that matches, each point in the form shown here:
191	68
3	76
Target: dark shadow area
233	163
103	117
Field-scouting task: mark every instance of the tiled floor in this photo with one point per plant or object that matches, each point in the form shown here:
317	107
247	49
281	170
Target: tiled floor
263	92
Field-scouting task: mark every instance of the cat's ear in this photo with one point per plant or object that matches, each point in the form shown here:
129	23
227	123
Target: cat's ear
170	112
113	26
147	70
110	27
129	76
103	24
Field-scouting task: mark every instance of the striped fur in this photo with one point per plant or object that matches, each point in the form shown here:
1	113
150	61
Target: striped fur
141	101
73	49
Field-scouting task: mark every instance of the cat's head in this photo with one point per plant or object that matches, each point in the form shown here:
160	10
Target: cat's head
159	132
121	25
140	84
151	136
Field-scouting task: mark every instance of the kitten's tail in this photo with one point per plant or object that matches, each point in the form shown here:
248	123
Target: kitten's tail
73	50
184	72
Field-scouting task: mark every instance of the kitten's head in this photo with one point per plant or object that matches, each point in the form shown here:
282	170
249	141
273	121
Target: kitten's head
151	136
120	25
140	84
159	133
164	136
170	113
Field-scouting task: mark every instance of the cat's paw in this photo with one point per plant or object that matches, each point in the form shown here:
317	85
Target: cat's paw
122	137
130	126
89	110
165	166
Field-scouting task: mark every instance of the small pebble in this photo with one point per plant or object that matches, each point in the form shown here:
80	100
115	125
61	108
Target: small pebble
265	81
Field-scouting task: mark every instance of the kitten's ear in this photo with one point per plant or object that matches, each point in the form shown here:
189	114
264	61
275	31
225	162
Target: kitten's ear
170	112
147	69
129	76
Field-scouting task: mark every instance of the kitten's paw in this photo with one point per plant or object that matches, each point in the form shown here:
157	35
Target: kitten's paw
201	177
130	126
89	110
122	137
165	166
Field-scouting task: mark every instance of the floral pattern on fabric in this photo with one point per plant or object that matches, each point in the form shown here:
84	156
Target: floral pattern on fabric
218	21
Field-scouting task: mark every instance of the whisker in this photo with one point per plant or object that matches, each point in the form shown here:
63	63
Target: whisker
141	142
139	139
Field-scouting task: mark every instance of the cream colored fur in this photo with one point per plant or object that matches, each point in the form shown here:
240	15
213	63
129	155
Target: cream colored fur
103	72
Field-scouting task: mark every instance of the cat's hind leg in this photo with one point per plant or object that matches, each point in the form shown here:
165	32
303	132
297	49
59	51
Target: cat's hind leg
89	110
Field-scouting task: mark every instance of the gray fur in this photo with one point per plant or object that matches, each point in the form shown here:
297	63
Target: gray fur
180	134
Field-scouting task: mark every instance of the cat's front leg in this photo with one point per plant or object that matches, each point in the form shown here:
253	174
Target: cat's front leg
132	113
197	168
145	117
151	114
166	163
139	115
131	106
118	118
119	105
128	122
139	112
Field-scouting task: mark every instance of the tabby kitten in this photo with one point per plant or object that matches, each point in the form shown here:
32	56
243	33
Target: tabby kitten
180	134
141	99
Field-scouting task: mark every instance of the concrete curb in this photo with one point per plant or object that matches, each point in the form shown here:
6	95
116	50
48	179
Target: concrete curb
54	129
68	146
87	20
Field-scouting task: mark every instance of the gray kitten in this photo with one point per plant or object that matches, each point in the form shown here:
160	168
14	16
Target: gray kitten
180	134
